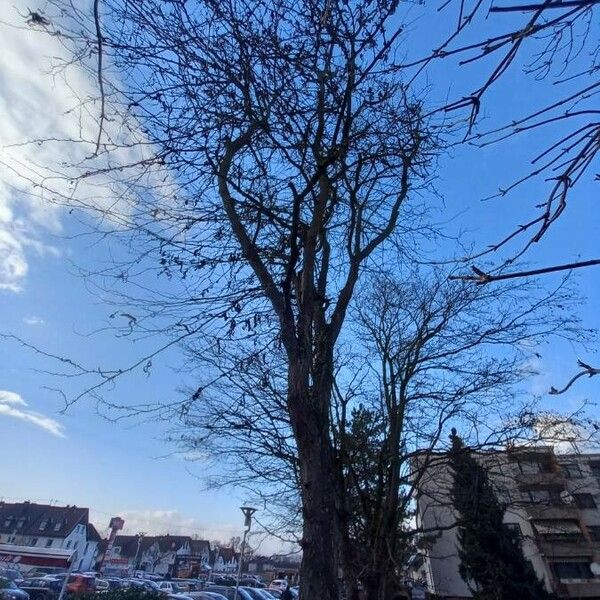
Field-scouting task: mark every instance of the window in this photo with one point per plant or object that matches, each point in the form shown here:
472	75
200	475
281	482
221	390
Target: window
86	548
43	524
584	501
34	541
8	521
572	470
538	496
594	532
514	528
548	497
528	466
21	522
57	526
571	570
11	539
75	545
48	543
68	544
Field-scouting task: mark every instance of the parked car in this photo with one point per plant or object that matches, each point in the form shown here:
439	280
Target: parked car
81	584
278	584
51	583
145	584
257	593
187	585
226	580
229	592
274	592
41	588
9	590
11	573
204	595
170	587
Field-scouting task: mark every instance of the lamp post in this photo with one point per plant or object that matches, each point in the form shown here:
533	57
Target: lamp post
248	512
63	587
140	537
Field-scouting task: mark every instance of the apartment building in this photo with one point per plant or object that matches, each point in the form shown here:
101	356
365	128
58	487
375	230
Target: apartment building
553	505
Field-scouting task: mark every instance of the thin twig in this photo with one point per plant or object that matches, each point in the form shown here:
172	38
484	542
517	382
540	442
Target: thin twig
524	7
483	277
587	370
100	82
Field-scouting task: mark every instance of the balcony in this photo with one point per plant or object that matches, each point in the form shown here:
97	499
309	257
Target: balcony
589	588
556	549
530	481
552	511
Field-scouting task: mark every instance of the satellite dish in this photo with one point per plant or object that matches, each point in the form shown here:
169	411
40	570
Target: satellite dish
595	568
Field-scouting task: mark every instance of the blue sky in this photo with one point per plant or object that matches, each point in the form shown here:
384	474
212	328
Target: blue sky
126	467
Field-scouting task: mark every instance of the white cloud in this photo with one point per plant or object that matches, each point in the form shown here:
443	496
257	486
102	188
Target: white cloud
41	100
33	320
161	522
567	435
14	406
7	397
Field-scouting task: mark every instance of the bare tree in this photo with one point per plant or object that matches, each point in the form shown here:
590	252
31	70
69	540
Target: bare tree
423	353
554	41
438	353
279	147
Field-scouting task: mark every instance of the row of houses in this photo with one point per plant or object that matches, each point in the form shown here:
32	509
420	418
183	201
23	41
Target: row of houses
67	530
553	505
165	555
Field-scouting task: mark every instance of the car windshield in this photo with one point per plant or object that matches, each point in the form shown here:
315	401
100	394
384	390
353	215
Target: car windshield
7	584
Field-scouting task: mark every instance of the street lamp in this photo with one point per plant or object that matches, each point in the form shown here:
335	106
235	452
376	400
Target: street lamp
248	512
140	537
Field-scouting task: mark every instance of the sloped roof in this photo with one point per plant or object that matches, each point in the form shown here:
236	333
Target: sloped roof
128	544
168	542
92	534
228	554
28	518
198	547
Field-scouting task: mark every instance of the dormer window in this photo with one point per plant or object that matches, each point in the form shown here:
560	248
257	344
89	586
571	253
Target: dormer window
43	524
8	522
57	526
21	522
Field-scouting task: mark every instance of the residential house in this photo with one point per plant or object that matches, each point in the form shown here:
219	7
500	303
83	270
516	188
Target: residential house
552	504
172	549
225	560
165	555
47	526
128	553
197	562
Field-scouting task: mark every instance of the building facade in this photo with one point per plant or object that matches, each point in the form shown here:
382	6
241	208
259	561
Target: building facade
164	555
52	527
553	506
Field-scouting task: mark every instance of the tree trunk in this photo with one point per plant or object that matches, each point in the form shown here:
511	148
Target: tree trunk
309	412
